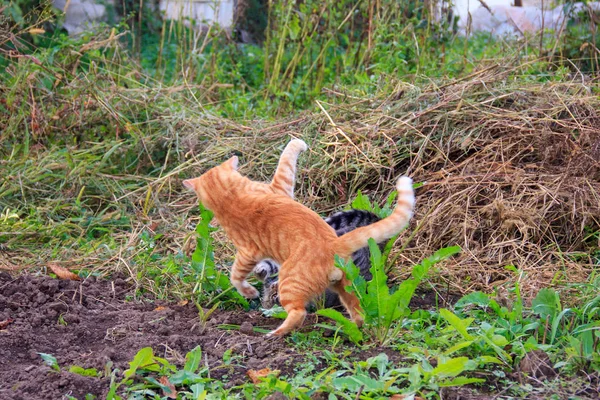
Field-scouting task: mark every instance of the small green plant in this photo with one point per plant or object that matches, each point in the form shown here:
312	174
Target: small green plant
91	372
50	360
145	364
382	309
212	284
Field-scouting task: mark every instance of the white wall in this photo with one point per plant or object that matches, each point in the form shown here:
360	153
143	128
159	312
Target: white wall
202	11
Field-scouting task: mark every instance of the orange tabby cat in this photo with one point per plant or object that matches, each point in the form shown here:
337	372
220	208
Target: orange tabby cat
264	224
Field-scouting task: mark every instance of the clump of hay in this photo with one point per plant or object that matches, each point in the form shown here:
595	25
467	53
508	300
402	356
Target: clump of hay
511	171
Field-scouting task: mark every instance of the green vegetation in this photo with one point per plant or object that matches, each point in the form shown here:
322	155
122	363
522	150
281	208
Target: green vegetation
442	348
98	130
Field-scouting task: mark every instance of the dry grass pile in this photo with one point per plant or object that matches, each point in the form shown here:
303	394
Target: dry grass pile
511	167
512	172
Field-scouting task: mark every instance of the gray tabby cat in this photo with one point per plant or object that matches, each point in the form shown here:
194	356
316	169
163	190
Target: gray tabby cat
343	222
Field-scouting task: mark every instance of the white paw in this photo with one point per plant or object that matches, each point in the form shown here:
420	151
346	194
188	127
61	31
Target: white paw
404	186
299	144
336	275
247	290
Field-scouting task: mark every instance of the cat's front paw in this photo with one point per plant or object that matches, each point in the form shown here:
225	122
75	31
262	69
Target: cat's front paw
248	291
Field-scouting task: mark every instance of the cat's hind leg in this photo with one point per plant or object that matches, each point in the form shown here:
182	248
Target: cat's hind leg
296	312
242	266
349	300
294	294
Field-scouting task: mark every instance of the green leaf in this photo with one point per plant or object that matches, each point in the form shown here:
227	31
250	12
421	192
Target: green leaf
348	327
377	304
362	202
499	340
192	359
458	346
452	367
476	298
546	303
50	360
358	285
183	377
488	359
457	323
143	358
198	391
275	312
443	254
294	28
556	322
75	369
355	382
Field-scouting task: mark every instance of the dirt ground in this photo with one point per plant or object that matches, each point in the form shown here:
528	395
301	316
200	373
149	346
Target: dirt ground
90	324
94	324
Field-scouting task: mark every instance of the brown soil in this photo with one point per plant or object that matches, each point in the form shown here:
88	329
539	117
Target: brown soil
90	324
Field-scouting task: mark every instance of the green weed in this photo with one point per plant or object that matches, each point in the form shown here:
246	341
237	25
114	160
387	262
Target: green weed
212	284
382	310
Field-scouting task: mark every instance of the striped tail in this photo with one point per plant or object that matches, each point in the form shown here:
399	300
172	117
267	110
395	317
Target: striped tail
285	176
384	229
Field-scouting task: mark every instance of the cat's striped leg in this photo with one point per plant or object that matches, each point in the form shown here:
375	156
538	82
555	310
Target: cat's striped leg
266	268
242	266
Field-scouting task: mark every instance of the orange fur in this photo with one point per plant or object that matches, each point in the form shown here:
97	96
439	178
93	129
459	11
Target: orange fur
284	180
263	224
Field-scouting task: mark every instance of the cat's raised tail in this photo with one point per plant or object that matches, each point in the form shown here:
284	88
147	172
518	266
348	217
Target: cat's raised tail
384	229
284	179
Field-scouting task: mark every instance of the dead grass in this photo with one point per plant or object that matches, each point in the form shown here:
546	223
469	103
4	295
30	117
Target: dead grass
510	165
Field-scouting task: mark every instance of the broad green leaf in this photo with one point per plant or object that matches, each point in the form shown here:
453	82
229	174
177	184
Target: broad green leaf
275	312
499	340
546	303
362	202
556	321
415	377
358	285
192	359
400	299
488	359
294	27
476	298
377	304
186	378
443	254
457	323
198	391
452	367
143	358
348	327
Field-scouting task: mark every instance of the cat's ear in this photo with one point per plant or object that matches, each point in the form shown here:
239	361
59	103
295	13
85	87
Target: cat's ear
190	184
232	163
